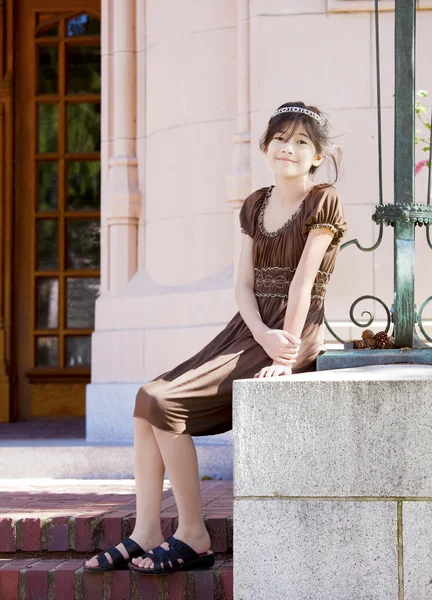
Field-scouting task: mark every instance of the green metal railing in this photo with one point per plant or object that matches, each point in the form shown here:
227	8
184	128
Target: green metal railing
403	214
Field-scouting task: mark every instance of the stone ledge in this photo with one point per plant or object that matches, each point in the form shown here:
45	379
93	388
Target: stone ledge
350	432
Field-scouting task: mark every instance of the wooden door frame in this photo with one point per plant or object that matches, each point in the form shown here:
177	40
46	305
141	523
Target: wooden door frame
6	193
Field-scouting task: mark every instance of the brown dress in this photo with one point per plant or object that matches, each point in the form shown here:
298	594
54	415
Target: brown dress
196	396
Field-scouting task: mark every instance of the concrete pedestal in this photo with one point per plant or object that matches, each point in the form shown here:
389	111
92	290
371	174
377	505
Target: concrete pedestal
333	485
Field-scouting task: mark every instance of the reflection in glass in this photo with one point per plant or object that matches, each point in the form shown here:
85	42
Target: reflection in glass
83	244
83	185
47	303
83	25
47	245
48	185
47	352
78	351
47	127
83	133
83	70
81	296
48	70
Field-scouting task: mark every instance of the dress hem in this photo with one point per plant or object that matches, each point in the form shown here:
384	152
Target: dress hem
196	432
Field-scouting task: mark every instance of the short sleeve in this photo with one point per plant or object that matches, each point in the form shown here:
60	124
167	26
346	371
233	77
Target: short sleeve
326	210
249	212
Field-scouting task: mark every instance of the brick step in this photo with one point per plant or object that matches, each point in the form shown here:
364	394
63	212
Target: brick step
65	520
59	579
89	533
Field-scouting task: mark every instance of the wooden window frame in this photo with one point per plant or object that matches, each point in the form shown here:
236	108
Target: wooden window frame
62	99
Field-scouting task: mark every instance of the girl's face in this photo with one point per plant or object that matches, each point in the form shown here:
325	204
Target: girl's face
292	154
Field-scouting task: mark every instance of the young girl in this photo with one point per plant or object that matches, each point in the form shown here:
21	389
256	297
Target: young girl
291	235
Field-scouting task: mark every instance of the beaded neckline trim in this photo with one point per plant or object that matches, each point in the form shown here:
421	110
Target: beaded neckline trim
285	225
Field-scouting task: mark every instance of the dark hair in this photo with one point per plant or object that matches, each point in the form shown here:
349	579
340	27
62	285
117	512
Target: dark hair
319	133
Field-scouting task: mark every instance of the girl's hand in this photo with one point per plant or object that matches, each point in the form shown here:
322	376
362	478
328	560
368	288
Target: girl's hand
281	346
275	370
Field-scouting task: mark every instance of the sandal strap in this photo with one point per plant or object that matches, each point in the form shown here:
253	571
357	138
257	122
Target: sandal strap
132	548
116	555
179	549
102	560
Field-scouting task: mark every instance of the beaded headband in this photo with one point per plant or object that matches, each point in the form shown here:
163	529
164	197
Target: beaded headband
298	109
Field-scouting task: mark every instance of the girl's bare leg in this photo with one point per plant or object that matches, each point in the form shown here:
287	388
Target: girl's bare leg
180	458
149	474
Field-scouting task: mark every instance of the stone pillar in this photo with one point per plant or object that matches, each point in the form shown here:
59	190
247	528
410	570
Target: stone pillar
333	485
123	196
239	179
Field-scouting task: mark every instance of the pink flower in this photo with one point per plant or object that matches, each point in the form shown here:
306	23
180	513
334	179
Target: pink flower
420	165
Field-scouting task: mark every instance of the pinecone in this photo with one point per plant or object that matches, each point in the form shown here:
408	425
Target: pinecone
382	340
390	343
359	344
368	334
370	343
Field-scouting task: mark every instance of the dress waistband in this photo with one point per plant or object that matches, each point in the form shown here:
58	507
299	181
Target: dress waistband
274	282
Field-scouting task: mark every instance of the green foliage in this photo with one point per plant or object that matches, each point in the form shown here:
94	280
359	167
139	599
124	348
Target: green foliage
420	111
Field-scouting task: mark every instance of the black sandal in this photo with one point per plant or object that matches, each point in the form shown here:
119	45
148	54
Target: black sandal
119	562
177	549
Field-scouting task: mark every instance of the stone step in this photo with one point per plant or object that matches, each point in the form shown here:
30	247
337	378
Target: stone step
60	579
79	459
84	518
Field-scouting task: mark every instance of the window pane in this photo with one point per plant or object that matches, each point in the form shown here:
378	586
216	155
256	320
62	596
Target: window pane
48	70
47	127
83	128
83	246
83	185
84	70
83	25
78	351
81	296
48	185
47	352
47	303
47	244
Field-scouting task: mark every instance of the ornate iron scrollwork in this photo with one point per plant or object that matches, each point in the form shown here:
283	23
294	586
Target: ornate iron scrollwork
388	214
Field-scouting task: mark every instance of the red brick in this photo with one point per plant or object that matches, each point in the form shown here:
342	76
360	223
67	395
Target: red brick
36	579
167	526
128	526
177	586
230	533
7	535
30	534
119	585
112	528
92	586
86	532
64	579
58	534
147	586
204	584
226	577
9	578
217	529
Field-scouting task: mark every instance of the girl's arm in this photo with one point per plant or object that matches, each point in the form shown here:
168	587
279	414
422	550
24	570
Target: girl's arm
244	291
299	298
278	344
